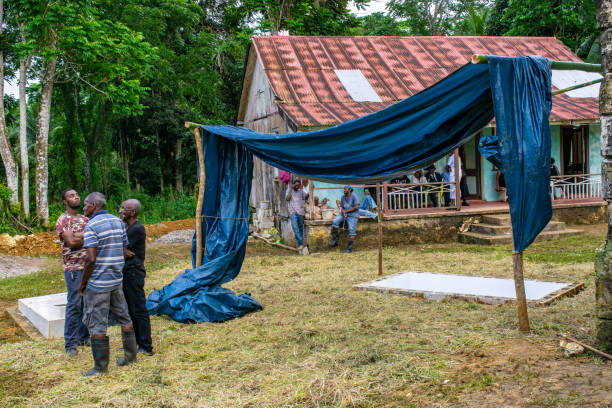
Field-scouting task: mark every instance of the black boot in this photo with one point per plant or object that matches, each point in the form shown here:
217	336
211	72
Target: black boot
349	246
100	352
130	348
334	237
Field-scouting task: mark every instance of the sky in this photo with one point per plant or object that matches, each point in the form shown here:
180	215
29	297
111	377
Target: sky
11	89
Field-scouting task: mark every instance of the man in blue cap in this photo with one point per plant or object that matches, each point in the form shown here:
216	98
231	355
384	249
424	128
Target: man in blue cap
349	212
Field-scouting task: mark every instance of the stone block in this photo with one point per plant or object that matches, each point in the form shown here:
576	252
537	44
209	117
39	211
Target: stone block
604	13
606	178
46	313
606	136
605	50
605	95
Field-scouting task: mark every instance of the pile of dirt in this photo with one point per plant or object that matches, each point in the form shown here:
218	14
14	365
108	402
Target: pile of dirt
47	243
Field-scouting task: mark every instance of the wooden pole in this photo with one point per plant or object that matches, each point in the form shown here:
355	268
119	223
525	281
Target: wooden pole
457	180
201	185
380	232
557	65
519	285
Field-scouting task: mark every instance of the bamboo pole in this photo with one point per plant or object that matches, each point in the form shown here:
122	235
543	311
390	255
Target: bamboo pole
571	88
380	231
201	185
457	180
267	241
192	125
558	65
519	285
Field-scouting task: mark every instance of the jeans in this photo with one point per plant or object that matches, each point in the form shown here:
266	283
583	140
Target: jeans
133	290
351	222
75	332
297	225
367	213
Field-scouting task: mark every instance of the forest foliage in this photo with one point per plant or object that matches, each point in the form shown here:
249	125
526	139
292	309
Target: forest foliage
128	73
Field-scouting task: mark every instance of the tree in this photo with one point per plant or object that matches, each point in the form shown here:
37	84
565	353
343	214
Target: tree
10	165
474	23
378	24
431	17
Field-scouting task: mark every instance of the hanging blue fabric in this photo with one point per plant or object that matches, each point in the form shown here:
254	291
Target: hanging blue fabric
521	148
410	134
196	295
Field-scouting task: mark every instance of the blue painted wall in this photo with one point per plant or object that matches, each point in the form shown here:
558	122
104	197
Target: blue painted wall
594	149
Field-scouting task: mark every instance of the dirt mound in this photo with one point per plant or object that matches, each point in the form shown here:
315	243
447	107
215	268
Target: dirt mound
47	243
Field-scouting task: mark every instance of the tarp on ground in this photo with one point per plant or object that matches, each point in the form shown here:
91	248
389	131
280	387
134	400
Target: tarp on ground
410	134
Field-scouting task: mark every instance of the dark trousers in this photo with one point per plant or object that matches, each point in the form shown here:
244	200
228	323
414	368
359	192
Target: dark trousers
465	192
133	290
75	332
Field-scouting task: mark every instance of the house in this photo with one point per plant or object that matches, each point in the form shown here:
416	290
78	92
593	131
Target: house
297	83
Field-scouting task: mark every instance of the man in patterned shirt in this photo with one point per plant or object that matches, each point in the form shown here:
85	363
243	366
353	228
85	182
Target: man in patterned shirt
106	242
69	227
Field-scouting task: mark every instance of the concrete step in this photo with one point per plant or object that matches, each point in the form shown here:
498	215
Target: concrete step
496	219
484	239
492	229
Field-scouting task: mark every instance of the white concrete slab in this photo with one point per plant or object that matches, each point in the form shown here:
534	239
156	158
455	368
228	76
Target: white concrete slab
47	313
438	286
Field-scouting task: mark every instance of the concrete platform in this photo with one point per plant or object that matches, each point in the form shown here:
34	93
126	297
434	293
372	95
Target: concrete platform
46	313
436	286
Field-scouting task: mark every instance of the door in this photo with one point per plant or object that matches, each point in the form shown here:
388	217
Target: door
574	150
470	157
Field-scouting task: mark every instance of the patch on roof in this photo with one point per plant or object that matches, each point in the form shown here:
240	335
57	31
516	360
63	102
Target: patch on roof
565	79
357	85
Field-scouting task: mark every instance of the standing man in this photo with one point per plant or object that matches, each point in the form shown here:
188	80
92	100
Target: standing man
134	275
433	176
69	227
349	212
296	197
106	243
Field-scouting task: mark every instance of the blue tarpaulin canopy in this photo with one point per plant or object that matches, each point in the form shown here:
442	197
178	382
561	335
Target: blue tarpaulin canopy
409	134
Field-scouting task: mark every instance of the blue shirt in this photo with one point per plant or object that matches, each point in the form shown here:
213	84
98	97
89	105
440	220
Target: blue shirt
348	203
106	233
446	176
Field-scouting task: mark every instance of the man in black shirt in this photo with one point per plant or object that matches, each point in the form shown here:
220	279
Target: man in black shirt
134	275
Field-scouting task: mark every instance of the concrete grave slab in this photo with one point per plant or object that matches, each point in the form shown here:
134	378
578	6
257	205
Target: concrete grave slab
47	313
437	286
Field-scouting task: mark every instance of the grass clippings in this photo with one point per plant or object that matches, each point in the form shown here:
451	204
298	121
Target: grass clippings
319	343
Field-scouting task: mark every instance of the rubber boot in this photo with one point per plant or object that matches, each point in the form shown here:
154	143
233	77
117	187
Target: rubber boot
101	353
334	237
349	246
130	348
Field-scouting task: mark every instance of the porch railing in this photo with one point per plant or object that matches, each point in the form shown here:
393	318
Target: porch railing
576	187
402	197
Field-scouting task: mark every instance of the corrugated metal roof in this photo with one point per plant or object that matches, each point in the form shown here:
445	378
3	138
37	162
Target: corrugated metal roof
301	71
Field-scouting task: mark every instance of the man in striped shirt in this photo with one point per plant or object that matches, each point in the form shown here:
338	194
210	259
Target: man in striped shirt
106	242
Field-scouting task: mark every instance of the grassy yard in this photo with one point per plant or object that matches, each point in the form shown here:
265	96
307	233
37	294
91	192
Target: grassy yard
319	343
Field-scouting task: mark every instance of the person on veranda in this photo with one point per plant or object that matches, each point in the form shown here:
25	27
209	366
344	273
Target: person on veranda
349	213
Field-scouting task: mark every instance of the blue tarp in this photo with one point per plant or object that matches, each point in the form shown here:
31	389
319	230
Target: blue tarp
409	134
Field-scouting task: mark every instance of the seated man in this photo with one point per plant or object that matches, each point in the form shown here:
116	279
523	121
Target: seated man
349	212
368	205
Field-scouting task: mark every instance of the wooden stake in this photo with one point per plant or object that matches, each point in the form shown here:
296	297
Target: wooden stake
457	181
267	241
519	285
201	185
380	232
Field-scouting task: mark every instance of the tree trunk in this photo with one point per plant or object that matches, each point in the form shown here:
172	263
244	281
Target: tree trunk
603	256
178	173
10	165
24	65
79	119
42	141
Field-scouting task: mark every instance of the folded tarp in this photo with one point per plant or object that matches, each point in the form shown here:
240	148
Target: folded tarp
409	134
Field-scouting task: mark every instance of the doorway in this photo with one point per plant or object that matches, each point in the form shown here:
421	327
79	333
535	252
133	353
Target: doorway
574	150
470	157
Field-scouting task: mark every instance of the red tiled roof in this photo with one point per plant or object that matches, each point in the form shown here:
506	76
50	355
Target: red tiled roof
301	71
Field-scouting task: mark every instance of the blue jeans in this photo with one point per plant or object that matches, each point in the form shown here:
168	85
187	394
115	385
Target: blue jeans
351	222
297	225
75	332
367	213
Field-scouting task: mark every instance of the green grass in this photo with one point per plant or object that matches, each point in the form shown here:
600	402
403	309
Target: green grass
320	343
49	280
